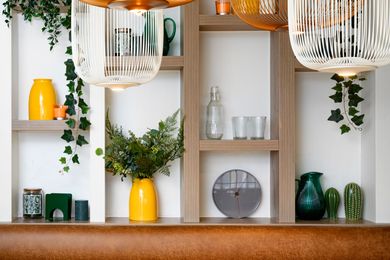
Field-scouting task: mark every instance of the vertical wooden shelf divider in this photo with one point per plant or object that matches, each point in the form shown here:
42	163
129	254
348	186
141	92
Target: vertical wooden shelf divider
283	128
191	103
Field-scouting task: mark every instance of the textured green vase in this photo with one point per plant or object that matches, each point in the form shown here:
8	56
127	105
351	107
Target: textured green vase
353	202
332	201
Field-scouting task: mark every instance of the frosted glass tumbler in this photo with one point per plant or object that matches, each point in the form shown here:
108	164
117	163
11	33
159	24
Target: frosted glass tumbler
239	127
256	127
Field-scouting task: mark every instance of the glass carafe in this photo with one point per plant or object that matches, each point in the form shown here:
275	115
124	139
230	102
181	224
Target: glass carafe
214	123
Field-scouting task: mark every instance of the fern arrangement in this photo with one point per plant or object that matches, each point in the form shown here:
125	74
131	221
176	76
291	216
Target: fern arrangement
142	157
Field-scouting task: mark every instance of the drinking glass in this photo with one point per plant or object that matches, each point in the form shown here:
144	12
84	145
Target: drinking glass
239	127
256	127
222	7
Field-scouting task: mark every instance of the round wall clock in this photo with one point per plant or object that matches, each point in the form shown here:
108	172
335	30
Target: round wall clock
237	193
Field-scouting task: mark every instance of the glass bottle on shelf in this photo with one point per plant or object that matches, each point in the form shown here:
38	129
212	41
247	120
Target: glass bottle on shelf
214	123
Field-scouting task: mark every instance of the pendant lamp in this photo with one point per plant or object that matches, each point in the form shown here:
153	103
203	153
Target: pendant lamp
270	15
137	4
116	48
340	36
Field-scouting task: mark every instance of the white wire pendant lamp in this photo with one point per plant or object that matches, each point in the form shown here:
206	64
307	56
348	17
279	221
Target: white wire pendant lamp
270	15
116	48
137	4
340	36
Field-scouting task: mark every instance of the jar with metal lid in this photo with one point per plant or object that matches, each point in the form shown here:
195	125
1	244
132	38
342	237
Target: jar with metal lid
32	203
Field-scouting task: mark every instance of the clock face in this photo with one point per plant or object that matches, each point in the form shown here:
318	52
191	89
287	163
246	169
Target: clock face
237	193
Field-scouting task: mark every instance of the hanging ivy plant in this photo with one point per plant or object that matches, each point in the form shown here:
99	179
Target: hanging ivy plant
54	21
346	94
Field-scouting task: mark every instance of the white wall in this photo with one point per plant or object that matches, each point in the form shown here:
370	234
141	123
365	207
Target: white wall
320	146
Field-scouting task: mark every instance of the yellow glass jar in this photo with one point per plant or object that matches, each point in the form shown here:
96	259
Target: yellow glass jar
143	200
42	100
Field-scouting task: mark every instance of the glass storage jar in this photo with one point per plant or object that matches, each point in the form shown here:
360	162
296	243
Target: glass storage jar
32	203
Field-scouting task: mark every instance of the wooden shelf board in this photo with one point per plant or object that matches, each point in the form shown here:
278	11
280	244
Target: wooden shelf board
223	23
239	145
172	63
203	222
39	125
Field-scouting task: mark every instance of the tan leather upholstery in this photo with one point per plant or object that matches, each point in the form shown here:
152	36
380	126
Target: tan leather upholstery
192	242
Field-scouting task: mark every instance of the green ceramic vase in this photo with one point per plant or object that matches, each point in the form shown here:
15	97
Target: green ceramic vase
310	202
353	202
332	201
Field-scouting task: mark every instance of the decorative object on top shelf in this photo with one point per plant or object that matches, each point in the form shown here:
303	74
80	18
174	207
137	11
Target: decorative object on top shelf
270	15
168	39
32	203
81	210
142	157
42	100
53	23
346	94
332	201
237	193
116	48
60	112
310	201
137	5
344	37
240	130
60	201
353	202
222	7
215	115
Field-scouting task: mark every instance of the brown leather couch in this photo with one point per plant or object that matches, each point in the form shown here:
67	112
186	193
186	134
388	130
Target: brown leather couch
193	242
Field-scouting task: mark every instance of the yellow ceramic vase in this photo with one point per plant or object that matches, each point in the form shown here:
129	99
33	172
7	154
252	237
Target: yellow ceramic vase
42	100
143	201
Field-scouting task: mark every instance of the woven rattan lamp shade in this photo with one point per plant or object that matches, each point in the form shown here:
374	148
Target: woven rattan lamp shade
268	15
340	36
137	4
116	48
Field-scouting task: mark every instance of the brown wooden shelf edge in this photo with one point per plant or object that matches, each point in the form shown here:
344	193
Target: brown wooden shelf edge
38	125
223	23
204	221
239	145
172	63
300	68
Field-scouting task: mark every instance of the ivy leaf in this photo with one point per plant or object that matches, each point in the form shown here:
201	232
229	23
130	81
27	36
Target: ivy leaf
71	123
99	151
344	129
68	136
70	102
75	159
84	106
69	50
358	120
337	78
66	169
70	70
353	77
362	79
354	89
354	100
62	160
338	87
80	85
352	111
68	150
81	140
71	86
84	123
336	116
337	97
348	83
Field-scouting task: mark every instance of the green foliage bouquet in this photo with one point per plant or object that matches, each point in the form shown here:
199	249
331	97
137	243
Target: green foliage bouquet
142	157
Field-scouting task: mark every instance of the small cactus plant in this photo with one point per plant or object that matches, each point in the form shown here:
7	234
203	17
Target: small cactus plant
332	200
353	202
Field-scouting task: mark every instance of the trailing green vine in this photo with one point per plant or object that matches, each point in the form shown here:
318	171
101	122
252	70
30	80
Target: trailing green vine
346	94
54	21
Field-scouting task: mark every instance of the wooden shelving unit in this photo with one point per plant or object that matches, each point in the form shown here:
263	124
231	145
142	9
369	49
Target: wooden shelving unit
239	145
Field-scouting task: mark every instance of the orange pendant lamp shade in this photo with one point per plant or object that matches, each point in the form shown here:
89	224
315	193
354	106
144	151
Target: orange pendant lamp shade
270	15
137	4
